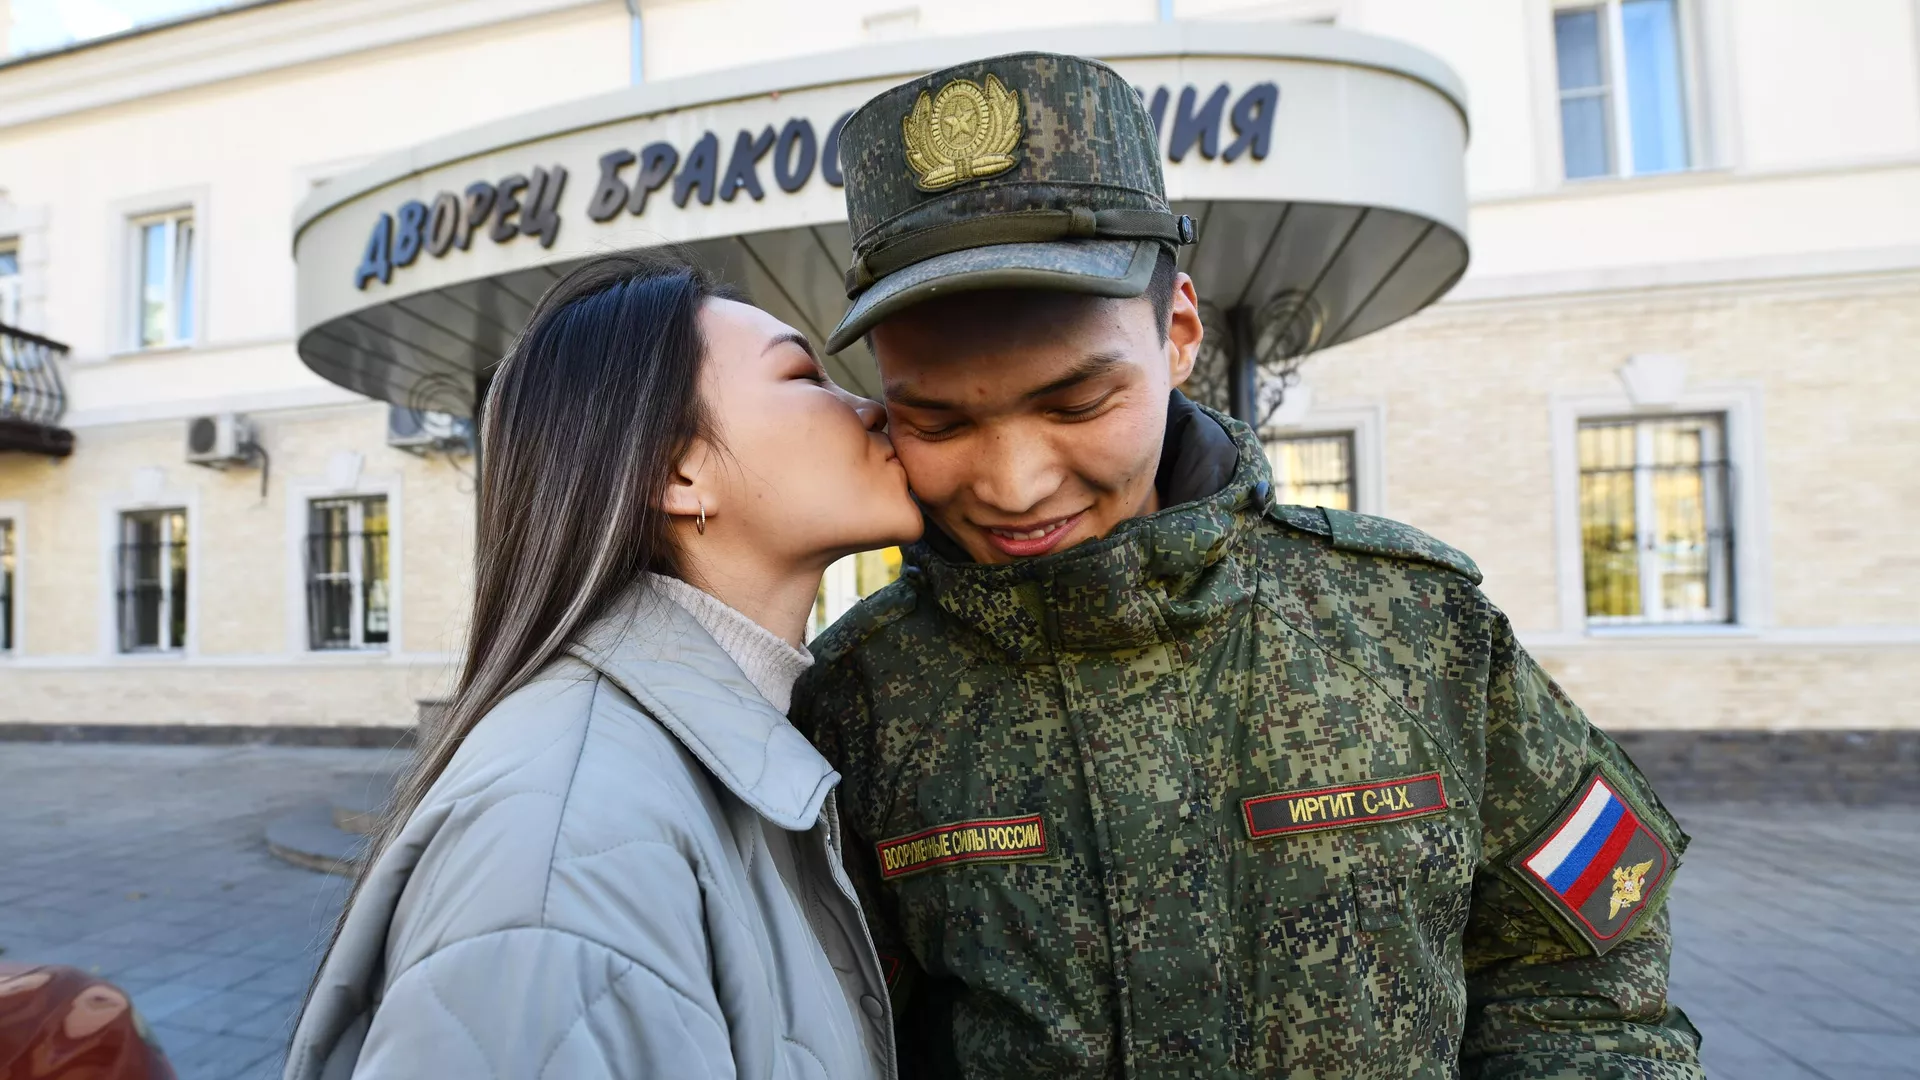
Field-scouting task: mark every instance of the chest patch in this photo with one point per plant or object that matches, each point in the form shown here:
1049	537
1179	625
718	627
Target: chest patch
986	840
1597	863
1338	807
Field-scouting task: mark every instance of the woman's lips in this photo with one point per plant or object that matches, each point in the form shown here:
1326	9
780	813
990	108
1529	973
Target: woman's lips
1030	540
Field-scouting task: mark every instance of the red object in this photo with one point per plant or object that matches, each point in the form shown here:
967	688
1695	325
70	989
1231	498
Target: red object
58	1023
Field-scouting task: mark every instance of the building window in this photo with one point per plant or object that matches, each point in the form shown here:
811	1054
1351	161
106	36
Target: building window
153	581
1623	88
1314	470
8	568
349	578
849	581
1655	521
163	301
9	283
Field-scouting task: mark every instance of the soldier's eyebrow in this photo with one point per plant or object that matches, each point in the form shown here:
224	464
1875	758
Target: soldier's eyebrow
1088	369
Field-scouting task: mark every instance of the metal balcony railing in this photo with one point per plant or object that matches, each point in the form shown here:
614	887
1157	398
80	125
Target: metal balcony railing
32	399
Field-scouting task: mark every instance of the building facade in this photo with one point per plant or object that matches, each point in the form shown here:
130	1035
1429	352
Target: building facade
1666	408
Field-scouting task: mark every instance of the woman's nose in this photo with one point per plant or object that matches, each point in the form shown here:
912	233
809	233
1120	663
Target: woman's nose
871	413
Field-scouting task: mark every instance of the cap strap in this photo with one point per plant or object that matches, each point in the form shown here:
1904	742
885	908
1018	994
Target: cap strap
1016	227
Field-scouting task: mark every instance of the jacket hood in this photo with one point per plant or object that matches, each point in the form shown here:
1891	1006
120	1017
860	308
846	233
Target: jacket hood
657	652
1142	583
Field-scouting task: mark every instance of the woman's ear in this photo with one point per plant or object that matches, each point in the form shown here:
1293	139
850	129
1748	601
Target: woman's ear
693	492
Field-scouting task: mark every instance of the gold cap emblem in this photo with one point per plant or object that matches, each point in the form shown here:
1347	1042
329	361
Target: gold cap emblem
965	132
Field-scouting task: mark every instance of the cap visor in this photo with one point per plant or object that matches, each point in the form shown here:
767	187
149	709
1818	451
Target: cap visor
1120	269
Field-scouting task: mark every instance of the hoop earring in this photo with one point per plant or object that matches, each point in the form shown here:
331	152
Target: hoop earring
701	525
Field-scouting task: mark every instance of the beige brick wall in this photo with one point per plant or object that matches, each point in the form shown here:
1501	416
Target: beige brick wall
1467	390
248	660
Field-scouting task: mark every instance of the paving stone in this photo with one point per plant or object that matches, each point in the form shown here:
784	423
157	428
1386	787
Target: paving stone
223	1057
226	1010
1796	952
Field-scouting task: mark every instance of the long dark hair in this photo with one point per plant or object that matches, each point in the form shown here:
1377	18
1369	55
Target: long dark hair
586	420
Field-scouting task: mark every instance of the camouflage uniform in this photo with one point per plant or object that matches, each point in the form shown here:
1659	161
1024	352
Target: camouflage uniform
1238	790
1133	692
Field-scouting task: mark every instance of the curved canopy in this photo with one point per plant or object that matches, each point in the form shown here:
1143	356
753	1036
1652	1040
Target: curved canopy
1324	168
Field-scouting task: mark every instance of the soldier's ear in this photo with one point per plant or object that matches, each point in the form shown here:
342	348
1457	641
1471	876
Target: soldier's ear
1184	331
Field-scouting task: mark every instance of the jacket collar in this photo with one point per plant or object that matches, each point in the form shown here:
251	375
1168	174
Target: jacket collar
657	652
1146	582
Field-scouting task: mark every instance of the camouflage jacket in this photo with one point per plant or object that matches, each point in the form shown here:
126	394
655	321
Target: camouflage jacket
1240	790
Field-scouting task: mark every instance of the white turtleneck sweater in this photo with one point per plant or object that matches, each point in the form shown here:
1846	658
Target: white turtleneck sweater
769	662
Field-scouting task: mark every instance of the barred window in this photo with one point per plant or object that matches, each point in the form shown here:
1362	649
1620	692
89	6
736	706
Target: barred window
349	591
1656	521
1314	470
7	567
153	581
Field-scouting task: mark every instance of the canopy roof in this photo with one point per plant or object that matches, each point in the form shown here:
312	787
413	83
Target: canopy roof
1325	170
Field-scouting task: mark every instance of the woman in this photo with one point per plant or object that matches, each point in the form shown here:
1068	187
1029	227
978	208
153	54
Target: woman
615	857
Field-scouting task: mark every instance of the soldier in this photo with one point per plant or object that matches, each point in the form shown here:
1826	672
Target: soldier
1149	775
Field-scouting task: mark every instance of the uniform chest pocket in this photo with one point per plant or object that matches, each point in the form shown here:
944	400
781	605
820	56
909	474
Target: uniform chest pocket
1357	947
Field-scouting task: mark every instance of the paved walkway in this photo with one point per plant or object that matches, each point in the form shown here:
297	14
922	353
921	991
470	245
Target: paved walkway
1799	926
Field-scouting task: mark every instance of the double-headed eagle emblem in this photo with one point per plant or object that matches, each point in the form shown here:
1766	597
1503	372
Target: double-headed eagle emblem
964	132
1627	882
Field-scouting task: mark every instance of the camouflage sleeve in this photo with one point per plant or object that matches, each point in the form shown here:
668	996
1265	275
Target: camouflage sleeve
1568	942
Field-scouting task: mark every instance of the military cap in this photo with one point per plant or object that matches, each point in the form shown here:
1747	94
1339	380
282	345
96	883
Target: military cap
1031	170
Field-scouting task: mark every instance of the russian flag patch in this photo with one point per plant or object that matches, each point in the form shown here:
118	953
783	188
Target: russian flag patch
1597	863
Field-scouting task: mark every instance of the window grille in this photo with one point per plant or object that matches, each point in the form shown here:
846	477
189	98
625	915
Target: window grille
8	562
153	581
1314	470
349	587
1656	520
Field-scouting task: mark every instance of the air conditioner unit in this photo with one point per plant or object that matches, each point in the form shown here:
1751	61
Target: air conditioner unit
221	440
420	430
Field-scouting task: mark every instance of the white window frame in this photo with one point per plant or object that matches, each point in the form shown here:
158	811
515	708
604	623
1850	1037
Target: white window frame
1740	406
180	295
13	286
15	513
1692	33
25	230
150	493
344	482
128	217
1364	422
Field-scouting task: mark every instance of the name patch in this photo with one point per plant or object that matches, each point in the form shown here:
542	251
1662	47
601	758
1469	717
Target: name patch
1338	807
988	840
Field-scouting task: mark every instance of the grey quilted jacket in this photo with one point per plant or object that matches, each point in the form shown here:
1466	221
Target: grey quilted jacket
631	868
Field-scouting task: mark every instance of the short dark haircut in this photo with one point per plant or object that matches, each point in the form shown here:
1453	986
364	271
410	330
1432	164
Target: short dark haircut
1160	290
